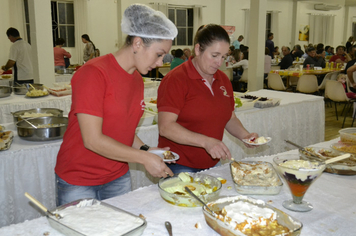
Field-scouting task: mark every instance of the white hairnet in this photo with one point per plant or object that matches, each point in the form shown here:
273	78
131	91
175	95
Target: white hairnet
141	20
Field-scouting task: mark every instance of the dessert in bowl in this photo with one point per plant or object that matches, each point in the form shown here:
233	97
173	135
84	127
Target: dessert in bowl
299	174
172	190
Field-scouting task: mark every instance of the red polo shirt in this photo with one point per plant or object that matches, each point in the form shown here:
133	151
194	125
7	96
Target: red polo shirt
183	92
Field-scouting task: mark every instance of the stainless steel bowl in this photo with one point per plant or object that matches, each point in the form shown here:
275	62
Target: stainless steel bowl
22	89
27	132
54	111
5	91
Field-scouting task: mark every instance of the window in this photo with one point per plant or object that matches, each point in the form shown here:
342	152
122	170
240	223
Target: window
63	22
268	23
27	21
183	19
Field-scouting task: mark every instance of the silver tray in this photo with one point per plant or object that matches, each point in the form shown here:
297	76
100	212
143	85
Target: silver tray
66	230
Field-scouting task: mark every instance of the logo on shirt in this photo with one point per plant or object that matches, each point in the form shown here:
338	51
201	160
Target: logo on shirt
143	105
224	91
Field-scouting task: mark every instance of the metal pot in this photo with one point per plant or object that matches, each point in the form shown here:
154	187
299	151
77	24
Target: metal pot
22	89
5	91
54	111
27	132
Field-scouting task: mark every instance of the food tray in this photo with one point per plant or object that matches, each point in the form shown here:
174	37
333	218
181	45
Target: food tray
60	92
348	135
259	189
66	230
224	229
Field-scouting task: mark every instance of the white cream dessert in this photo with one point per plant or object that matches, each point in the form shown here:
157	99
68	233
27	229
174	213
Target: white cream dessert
98	220
255	174
35	115
261	140
250	217
302	169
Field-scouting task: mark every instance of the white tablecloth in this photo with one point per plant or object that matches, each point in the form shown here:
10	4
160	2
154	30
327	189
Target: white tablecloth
333	198
28	166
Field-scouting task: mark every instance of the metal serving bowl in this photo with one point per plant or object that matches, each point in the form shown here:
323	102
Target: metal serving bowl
27	132
22	89
54	111
5	91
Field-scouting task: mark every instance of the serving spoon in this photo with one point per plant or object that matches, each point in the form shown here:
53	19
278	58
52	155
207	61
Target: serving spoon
196	197
168	227
34	126
42	207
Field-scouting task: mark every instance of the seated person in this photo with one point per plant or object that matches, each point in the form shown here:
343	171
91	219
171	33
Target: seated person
178	58
351	53
287	60
168	58
297	52
276	51
313	60
230	57
328	51
340	56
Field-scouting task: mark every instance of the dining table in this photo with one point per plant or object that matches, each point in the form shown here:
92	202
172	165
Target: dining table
332	197
29	166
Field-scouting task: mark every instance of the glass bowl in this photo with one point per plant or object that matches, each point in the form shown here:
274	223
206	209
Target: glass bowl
166	189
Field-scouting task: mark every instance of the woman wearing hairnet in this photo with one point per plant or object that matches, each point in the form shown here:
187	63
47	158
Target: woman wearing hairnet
192	120
107	104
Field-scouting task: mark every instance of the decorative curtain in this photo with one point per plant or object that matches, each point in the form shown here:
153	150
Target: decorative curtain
247	26
81	26
321	29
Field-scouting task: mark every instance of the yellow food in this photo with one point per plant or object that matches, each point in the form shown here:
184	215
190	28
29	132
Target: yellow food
36	93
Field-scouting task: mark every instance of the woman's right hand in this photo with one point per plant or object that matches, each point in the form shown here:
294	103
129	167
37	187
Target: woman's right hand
217	149
156	166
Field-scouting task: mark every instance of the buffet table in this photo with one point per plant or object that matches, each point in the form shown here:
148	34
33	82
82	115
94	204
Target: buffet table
331	195
28	166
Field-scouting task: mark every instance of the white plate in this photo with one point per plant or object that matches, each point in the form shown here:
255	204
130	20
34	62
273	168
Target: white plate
257	144
160	154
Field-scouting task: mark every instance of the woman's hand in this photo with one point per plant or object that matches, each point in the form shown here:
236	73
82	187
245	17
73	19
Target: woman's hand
156	166
165	149
217	149
249	136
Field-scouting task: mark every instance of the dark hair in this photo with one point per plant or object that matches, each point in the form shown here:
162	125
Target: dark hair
311	49
12	32
266	51
236	54
60	41
179	53
241	37
319	46
340	46
327	47
245	54
269	34
208	34
232	48
146	41
319	51
86	37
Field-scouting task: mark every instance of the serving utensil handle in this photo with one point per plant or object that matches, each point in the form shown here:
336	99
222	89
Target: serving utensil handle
339	158
36	202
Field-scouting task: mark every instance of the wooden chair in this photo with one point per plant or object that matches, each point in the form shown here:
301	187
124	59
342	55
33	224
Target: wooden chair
308	84
336	93
275	82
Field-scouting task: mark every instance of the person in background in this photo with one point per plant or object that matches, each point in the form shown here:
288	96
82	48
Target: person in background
297	52
243	61
313	60
237	42
100	141
287	59
340	56
276	52
178	58
168	58
187	53
89	49
270	44
328	51
59	54
332	50
351	53
350	42
20	58
192	120
268	65
236	54
230	57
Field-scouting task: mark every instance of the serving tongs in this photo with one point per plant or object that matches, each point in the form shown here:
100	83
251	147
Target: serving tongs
313	156
24	119
42	207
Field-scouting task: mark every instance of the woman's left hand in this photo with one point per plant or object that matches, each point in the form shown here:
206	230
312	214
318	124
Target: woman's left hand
249	136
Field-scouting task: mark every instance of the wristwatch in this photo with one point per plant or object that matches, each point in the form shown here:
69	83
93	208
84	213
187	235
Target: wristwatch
145	147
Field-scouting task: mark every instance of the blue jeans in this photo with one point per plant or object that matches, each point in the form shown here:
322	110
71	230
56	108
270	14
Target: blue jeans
176	168
68	193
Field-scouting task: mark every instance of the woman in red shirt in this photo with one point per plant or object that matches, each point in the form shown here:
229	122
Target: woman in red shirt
59	54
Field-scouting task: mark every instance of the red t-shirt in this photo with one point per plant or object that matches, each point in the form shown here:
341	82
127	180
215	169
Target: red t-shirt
183	92
100	88
335	57
59	54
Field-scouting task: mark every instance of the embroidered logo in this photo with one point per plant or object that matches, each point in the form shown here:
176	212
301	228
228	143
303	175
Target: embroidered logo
224	91
143	105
